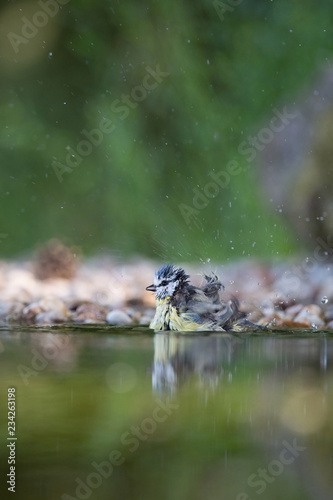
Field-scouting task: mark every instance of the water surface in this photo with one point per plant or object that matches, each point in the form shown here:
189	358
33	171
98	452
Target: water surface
107	413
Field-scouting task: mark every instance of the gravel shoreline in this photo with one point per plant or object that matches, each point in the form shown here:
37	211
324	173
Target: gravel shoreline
104	290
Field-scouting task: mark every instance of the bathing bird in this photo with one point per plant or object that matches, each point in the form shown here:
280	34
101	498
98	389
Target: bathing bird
183	307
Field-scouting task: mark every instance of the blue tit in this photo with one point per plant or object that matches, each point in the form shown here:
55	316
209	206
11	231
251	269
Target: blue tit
183	307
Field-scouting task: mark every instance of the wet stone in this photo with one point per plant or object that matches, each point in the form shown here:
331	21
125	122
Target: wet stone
118	317
311	314
11	311
51	317
90	313
105	290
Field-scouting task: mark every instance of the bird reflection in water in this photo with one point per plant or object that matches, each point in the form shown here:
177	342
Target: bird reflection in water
178	357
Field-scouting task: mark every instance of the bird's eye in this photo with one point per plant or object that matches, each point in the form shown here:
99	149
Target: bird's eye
164	283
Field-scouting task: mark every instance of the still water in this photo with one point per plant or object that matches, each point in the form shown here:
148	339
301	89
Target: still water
105	413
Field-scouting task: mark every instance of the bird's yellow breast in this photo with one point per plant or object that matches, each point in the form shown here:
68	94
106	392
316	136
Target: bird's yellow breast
167	317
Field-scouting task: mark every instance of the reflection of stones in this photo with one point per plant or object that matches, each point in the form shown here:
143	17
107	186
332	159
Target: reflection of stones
295	390
121	377
57	351
178	357
297	167
292	404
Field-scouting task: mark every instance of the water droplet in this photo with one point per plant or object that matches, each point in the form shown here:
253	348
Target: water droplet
324	300
271	323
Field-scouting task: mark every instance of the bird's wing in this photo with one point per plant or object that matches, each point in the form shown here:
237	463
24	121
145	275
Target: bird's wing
193	299
212	288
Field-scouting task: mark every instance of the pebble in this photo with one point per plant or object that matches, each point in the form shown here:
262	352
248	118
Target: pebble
329	312
51	305
90	313
118	317
145	320
106	290
51	317
311	314
11	311
292	311
31	311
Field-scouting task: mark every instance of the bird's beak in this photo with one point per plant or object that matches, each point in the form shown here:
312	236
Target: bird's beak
151	288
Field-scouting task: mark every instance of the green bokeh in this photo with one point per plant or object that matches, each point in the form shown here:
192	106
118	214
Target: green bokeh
227	73
229	399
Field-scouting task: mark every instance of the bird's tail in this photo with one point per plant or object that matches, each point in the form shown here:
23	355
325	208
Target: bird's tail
235	320
231	315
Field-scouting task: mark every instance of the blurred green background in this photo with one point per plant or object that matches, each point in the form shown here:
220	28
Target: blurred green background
227	72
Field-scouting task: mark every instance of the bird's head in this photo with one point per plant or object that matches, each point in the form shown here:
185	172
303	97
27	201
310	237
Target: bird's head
166	281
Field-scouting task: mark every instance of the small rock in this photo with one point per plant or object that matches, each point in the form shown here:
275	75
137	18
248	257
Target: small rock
294	324
293	310
145	320
118	317
133	313
267	307
50	318
31	311
311	314
51	305
90	313
11	311
147	317
329	313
